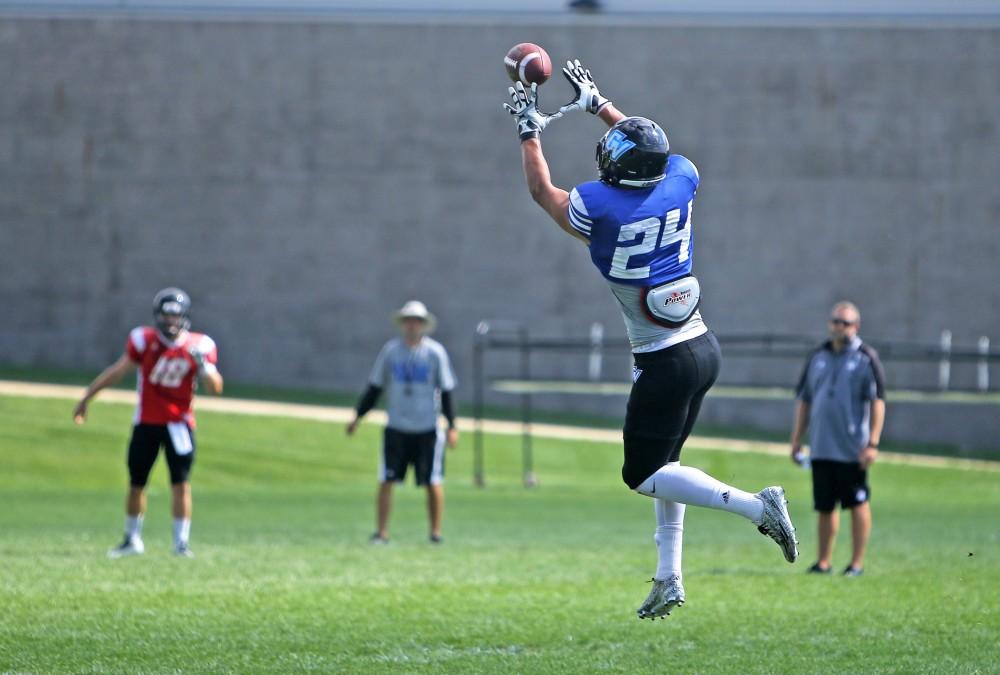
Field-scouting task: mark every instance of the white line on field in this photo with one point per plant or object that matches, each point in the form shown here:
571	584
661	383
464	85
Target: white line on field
320	413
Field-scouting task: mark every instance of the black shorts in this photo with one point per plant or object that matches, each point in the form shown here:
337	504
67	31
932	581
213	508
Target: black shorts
145	446
424	450
664	403
844	482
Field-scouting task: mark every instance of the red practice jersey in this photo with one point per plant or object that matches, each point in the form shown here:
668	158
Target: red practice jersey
168	374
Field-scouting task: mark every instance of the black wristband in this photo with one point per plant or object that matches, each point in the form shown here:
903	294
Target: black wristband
526	135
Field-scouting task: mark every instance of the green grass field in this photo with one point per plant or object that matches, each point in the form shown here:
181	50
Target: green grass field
543	580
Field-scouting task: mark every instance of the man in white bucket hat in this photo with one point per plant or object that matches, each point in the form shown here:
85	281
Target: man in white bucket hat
416	374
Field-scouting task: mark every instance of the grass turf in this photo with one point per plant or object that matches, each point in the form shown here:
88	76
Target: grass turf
543	580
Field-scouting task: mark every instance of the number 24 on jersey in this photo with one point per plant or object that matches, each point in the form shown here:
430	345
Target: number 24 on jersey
652	229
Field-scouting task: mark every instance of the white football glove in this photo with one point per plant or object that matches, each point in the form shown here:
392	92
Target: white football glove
587	95
530	120
200	363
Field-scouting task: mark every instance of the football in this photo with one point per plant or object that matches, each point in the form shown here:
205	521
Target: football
528	63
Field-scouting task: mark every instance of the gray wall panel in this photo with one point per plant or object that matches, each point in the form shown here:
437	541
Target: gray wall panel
301	181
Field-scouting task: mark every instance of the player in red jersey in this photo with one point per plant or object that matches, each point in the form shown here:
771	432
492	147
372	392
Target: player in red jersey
171	360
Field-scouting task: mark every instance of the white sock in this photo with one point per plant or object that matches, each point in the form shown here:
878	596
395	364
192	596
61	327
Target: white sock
182	530
669	537
133	526
688	485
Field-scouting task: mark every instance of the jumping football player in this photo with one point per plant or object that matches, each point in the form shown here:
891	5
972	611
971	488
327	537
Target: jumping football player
171	360
636	222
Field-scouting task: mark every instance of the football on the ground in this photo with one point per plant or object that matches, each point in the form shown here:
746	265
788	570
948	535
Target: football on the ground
528	63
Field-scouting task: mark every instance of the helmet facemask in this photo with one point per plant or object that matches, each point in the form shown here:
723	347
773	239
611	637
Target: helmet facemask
171	312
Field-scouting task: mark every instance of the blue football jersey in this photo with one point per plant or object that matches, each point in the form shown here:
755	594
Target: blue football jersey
639	237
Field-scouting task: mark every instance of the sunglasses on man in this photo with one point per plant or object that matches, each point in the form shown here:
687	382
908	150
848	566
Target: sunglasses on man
836	321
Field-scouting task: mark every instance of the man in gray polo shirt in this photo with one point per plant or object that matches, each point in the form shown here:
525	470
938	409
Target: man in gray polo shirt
841	399
415	372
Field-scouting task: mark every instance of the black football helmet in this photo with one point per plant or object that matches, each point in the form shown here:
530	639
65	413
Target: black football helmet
168	304
633	154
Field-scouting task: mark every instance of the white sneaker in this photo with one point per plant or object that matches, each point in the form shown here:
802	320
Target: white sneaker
776	523
129	546
183	550
666	595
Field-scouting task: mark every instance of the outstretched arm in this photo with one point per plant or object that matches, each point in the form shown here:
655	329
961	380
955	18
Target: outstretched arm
554	200
367	401
530	124
611	115
588	96
110	376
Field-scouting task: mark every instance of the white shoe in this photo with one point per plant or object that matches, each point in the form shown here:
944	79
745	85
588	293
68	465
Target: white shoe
776	523
129	546
666	595
183	550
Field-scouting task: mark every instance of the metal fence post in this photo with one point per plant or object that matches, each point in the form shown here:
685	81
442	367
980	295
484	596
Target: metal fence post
596	351
479	376
983	369
526	450
944	365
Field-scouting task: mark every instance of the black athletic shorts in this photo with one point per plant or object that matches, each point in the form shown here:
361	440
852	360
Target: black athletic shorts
145	446
844	482
424	450
668	389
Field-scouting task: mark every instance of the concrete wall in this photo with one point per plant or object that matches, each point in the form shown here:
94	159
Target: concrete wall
301	181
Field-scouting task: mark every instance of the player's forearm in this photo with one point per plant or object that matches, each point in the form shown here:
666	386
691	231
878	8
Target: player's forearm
554	201
801	421
877	420
213	382
611	115
110	376
448	408
367	401
536	169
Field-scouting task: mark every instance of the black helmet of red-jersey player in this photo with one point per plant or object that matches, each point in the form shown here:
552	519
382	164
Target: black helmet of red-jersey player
633	154
172	311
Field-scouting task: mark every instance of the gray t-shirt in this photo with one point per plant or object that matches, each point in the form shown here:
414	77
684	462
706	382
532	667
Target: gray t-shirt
839	387
412	380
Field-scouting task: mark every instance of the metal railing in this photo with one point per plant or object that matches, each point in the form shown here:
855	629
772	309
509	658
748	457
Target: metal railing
513	337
